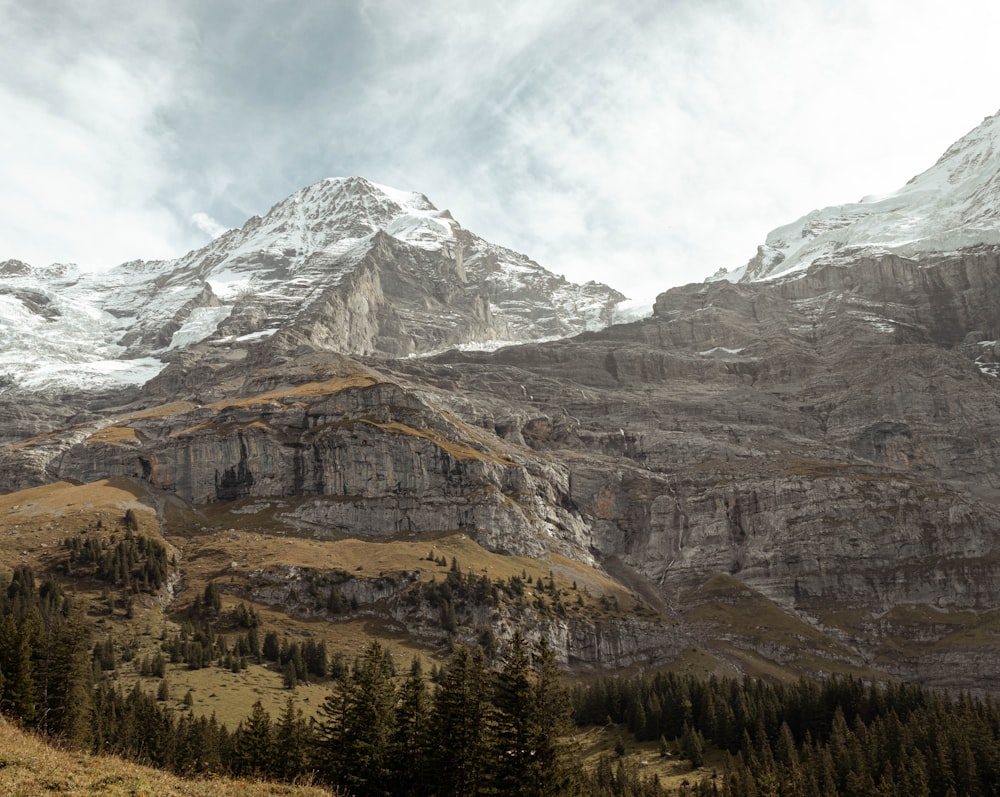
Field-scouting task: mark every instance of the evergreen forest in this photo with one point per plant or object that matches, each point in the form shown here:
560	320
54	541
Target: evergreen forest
502	723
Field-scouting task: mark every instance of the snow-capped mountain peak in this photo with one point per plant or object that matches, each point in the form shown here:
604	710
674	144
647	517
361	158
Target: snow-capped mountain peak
430	284
952	205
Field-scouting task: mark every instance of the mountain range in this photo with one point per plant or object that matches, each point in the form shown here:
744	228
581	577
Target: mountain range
787	469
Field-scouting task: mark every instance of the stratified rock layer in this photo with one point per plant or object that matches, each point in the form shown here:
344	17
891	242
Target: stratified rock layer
820	453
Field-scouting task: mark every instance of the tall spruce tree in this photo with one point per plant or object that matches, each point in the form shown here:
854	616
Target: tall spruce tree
291	743
516	719
555	768
461	728
411	742
254	744
353	744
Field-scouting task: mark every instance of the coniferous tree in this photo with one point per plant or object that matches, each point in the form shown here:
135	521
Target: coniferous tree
411	737
554	767
291	743
254	744
64	674
461	728
516	720
17	641
356	725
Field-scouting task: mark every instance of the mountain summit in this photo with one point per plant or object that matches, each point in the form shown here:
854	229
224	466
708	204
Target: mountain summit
952	206
344	265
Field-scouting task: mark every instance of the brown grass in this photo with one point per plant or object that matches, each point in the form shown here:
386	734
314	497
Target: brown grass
458	451
29	767
228	695
672	770
163	411
114	436
311	389
34	522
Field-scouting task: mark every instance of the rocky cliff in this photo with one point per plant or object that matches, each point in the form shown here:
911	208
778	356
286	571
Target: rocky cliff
827	446
790	471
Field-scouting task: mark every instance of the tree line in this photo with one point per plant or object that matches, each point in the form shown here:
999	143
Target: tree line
492	724
811	739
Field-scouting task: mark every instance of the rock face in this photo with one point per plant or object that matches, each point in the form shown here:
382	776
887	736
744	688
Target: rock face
345	266
827	446
797	467
372	459
831	442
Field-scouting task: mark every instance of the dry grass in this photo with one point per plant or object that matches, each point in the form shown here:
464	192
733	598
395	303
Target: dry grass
230	695
309	389
672	770
114	436
34	522
163	411
458	451
211	555
29	767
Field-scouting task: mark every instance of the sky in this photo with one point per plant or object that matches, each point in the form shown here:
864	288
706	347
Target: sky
644	144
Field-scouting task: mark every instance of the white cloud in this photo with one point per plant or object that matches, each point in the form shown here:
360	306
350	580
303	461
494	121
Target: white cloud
86	165
643	144
208	225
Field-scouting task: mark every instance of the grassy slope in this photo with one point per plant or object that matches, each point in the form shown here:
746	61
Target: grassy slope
28	767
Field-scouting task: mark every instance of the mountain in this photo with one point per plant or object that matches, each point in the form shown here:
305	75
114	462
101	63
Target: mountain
344	265
789	473
953	205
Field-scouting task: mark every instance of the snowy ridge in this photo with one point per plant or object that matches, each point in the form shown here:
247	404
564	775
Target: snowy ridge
63	329
953	205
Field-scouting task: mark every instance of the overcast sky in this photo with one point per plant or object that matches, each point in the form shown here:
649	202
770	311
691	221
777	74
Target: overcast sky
643	143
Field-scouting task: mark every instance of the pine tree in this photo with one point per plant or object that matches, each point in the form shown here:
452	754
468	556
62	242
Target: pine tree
65	675
356	725
516	718
254	743
411	738
461	727
553	769
291	743
16	645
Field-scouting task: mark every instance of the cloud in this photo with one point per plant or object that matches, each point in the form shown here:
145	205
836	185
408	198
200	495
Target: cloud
208	225
86	150
643	144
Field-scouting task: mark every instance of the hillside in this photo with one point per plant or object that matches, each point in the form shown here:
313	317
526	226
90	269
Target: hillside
31	767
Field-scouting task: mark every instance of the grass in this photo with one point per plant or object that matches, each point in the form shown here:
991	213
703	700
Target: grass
230	695
671	769
114	436
309	389
164	411
34	522
29	768
460	452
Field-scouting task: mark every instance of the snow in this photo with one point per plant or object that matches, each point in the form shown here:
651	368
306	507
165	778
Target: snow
424	231
101	329
90	375
259	335
876	321
633	310
481	345
202	322
227	284
952	205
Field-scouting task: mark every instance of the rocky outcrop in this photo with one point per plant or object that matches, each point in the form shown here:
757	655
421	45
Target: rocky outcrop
376	459
829	442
